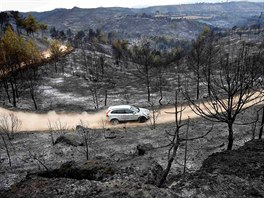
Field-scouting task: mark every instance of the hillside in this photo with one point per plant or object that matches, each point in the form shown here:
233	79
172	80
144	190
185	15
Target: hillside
175	20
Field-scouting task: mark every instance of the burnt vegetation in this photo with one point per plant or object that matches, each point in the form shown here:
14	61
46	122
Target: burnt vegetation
218	76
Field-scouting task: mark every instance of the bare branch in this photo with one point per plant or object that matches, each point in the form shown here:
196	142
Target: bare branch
199	137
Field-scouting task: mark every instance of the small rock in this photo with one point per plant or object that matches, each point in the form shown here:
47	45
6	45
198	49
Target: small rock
70	139
110	134
143	148
81	129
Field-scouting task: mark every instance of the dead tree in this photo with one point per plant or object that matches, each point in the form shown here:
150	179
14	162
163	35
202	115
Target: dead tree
6	148
155	113
261	125
9	124
51	130
88	137
144	58
196	59
163	63
39	158
261	60
30	81
95	91
60	127
234	88
175	137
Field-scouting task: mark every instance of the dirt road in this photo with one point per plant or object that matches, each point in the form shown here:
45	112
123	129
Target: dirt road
39	122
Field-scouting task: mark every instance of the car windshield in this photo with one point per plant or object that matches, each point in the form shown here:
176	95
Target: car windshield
134	108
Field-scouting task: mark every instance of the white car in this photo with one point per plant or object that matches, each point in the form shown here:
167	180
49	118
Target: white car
121	113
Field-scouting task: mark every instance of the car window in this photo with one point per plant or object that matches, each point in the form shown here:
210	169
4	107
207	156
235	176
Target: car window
128	111
134	108
119	111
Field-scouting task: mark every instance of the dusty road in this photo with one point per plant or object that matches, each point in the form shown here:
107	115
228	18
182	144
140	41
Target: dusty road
31	121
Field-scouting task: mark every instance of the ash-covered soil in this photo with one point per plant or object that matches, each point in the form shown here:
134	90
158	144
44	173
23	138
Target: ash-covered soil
72	90
116	168
236	173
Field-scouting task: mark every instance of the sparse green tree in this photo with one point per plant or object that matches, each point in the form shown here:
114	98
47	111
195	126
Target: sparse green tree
119	49
56	52
31	25
16	53
43	27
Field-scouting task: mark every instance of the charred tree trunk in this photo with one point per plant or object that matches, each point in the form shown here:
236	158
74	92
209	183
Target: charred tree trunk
209	81
262	123
33	97
161	95
160	90
147	81
198	86
230	136
86	145
96	98
148	88
16	88
105	102
7	151
171	159
5	83
55	65
13	93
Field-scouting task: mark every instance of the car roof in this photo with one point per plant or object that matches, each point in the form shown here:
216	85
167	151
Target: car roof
120	107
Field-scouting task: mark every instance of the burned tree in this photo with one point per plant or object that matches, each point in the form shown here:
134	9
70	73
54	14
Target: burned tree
88	137
198	56
234	88
175	136
9	124
164	63
143	56
260	79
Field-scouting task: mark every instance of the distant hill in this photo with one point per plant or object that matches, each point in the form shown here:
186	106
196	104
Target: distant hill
182	21
240	7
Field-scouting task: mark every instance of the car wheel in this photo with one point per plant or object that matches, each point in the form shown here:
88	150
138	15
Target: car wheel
142	119
114	121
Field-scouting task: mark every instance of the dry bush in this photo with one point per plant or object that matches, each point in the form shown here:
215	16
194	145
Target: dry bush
9	124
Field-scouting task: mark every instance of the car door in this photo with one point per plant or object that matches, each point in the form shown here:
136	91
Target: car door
130	115
118	114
